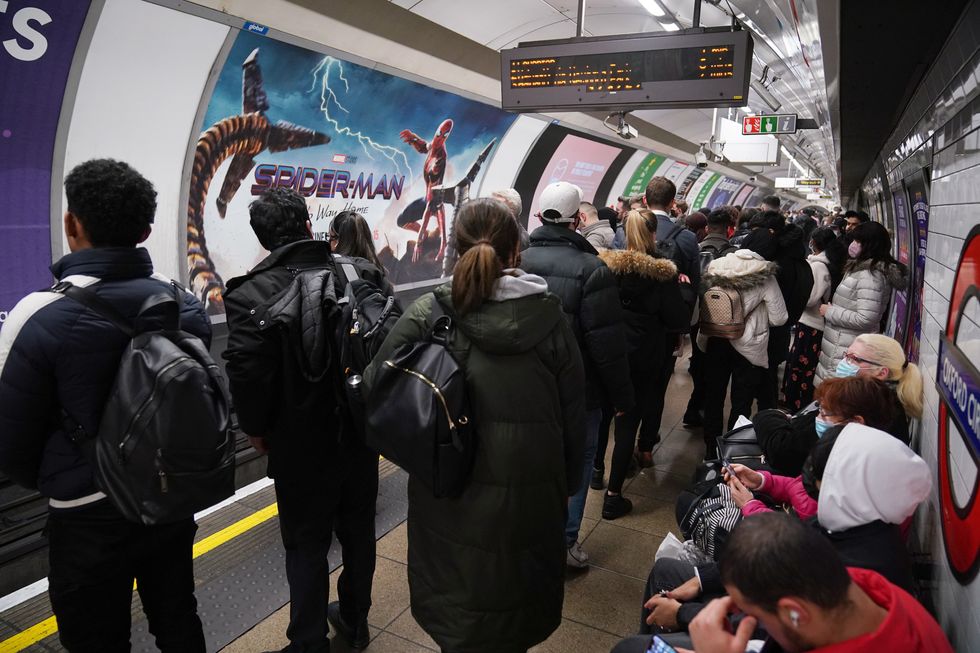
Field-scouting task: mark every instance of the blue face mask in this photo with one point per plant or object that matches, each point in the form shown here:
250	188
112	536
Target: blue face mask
846	368
822	427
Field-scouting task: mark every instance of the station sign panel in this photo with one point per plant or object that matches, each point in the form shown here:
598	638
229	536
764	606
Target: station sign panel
776	124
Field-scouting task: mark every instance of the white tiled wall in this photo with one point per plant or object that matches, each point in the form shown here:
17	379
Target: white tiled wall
954	211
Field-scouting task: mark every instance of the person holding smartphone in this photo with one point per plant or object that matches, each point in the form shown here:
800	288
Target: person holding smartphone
789	580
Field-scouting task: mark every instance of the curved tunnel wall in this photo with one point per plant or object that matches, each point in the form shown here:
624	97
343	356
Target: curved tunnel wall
147	80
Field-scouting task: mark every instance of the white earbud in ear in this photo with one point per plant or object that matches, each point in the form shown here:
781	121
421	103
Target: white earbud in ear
794	618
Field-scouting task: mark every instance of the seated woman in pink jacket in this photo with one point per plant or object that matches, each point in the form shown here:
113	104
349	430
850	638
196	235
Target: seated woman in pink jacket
860	400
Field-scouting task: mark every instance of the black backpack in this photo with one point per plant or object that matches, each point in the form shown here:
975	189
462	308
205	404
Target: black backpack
165	447
418	413
367	316
668	248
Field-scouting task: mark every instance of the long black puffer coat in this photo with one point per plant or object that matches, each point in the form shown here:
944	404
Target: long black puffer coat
590	299
487	569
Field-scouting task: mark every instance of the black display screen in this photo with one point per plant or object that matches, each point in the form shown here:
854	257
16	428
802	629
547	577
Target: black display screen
624	71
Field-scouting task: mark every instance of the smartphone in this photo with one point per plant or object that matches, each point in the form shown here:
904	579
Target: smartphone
658	645
727	464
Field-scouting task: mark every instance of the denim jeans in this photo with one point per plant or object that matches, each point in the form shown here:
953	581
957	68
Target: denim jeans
576	505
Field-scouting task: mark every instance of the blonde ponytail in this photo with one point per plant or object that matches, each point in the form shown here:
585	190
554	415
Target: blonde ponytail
639	236
888	352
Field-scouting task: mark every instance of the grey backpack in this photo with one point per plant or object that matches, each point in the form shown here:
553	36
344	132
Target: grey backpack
165	448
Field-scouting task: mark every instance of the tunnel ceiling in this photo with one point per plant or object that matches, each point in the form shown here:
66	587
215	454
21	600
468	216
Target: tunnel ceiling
886	49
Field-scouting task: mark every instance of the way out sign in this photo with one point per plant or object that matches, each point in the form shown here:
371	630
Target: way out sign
778	124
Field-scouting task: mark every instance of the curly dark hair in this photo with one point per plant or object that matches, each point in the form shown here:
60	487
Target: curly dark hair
114	203
278	217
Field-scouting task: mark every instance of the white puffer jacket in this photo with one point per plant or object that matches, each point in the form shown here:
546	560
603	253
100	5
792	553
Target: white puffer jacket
755	279
857	307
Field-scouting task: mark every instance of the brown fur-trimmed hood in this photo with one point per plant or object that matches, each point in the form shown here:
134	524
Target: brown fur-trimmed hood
623	262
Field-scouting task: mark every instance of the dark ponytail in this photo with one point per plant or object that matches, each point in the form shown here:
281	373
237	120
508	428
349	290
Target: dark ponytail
486	238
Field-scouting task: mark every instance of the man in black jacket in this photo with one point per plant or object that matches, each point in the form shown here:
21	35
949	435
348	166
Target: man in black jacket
681	246
326	479
590	298
58	363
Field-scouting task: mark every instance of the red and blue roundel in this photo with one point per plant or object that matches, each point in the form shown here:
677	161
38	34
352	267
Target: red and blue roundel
958	382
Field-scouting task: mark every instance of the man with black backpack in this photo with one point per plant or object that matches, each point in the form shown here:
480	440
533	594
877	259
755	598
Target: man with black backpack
284	365
680	246
59	360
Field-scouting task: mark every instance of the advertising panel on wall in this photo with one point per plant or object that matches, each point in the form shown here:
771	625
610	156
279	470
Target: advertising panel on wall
697	194
577	160
643	174
37	44
676	172
684	185
724	192
742	197
284	116
919	223
899	317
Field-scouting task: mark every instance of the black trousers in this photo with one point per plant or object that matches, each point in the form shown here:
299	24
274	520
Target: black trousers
779	339
652	398
95	554
608	413
696	403
626	426
339	498
724	364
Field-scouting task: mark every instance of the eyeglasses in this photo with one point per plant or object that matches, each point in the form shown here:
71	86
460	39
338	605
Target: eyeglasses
857	360
824	415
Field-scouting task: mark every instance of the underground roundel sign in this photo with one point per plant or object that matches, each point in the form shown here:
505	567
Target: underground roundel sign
958	382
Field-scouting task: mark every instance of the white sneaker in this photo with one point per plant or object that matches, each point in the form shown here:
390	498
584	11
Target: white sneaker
577	557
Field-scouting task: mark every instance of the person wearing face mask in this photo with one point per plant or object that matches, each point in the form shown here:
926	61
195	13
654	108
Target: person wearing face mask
859	508
786	440
862	297
860	400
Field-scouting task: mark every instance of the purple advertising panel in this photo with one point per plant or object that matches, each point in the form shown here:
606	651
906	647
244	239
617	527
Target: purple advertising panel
37	43
920	227
903	234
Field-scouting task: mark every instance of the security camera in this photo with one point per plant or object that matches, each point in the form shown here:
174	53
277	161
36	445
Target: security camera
701	157
627	131
752	178
622	128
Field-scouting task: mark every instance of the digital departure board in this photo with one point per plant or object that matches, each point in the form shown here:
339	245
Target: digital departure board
702	68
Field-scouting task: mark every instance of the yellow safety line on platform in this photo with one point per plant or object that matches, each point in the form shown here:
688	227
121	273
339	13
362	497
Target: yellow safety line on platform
49	626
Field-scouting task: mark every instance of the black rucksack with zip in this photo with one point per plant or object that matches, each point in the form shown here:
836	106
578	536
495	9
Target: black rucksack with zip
165	448
419	413
367	316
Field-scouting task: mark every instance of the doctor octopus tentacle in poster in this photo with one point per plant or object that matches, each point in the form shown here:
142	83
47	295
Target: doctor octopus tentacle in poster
347	138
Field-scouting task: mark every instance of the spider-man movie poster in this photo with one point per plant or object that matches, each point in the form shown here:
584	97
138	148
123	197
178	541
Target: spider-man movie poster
403	155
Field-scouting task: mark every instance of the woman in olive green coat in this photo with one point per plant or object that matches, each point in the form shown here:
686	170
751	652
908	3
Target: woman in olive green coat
486	569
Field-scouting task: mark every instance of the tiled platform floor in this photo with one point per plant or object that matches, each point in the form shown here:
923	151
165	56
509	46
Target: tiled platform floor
602	603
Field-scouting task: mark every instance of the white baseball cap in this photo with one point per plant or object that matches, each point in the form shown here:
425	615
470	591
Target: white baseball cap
562	198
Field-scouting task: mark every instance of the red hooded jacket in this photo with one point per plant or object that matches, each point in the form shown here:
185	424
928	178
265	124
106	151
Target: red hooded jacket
908	628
